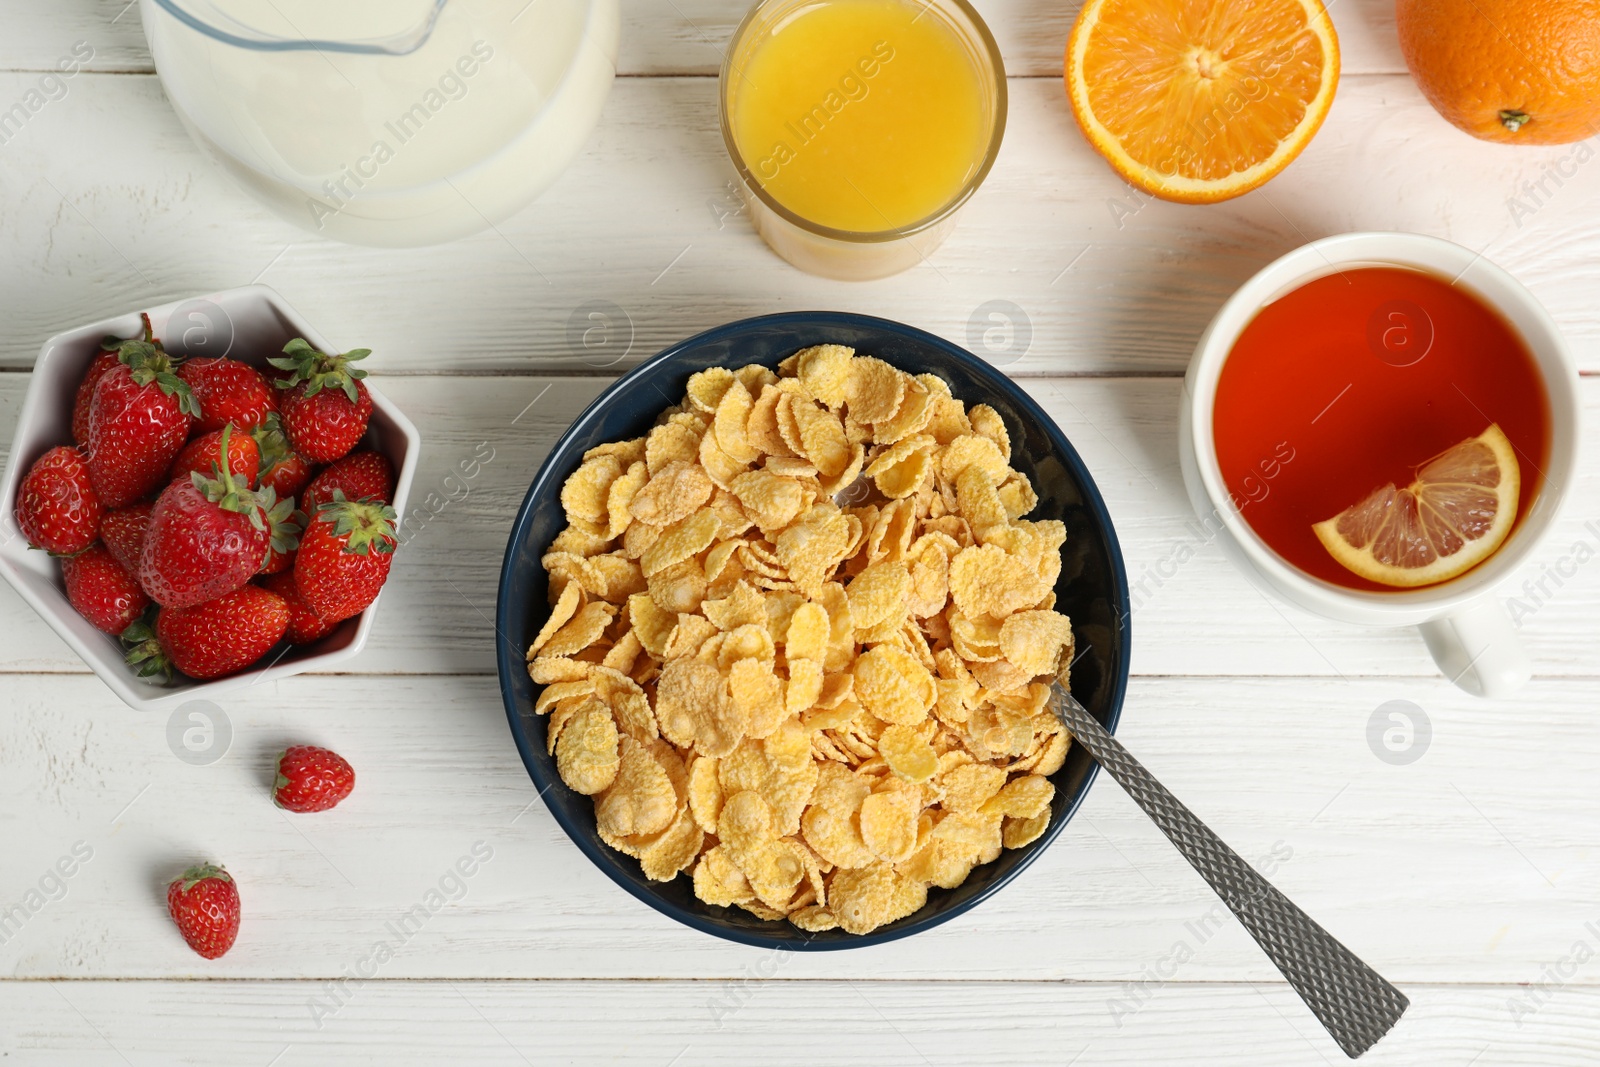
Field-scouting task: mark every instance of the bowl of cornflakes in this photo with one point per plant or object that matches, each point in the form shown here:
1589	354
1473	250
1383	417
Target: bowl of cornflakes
778	619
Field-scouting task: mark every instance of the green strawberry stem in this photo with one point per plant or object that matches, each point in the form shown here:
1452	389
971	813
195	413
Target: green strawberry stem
112	344
144	653
224	492
319	370
150	363
366	525
202	871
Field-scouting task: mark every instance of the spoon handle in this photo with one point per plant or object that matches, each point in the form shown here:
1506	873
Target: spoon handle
1350	999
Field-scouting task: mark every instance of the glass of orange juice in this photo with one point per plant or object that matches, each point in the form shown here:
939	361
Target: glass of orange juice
860	127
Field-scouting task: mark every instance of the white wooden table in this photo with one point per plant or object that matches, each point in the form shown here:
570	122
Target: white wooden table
1469	876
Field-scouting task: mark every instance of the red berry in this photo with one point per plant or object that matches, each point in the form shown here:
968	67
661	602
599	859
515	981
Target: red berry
360	476
229	391
101	363
284	472
204	902
139	419
206	537
276	562
220	637
203	453
57	507
324	406
312	779
344	556
123	530
305	625
102	590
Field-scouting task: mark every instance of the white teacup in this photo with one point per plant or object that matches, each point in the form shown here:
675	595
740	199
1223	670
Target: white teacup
1465	626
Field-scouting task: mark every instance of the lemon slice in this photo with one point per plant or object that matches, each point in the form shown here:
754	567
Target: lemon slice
1453	517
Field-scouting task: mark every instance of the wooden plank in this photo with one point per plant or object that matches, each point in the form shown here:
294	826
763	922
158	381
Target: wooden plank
809	1024
435	615
1474	863
1099	279
659	37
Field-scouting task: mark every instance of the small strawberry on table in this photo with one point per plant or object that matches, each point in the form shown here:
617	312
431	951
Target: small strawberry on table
311	779
204	902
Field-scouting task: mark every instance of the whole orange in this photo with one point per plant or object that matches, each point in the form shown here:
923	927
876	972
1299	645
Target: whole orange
1514	71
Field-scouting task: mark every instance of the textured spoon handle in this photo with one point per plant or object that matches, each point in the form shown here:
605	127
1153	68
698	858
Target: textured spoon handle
1350	999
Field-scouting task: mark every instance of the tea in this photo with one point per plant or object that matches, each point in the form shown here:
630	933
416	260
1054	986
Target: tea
1355	380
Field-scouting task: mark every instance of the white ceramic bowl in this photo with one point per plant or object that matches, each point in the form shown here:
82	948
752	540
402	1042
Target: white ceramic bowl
248	324
1466	629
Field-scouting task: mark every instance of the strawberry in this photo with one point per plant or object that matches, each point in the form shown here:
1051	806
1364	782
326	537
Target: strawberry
139	420
311	778
281	469
305	625
209	640
324	405
101	363
202	454
229	391
360	476
207	537
204	902
123	530
344	556
102	590
57	507
276	562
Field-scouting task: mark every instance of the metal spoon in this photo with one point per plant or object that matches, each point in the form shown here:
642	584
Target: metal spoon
1350	999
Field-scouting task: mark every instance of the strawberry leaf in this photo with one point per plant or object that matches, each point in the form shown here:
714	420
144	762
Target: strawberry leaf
286	524
144	653
364	525
312	371
227	494
201	872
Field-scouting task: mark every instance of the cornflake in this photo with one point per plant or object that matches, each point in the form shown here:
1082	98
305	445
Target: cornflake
816	712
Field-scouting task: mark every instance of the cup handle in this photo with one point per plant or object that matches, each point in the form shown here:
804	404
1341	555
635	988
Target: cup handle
1477	649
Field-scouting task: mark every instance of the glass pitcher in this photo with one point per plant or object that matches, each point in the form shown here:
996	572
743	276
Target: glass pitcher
387	122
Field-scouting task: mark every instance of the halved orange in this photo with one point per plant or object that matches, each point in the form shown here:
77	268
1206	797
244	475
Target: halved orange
1201	100
1453	517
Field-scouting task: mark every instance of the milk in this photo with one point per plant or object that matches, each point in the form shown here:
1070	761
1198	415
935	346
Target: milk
410	149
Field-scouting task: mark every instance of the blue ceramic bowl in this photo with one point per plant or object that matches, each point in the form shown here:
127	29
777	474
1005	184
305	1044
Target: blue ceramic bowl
1092	591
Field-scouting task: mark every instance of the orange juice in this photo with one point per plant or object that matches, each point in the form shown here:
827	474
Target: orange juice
861	115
